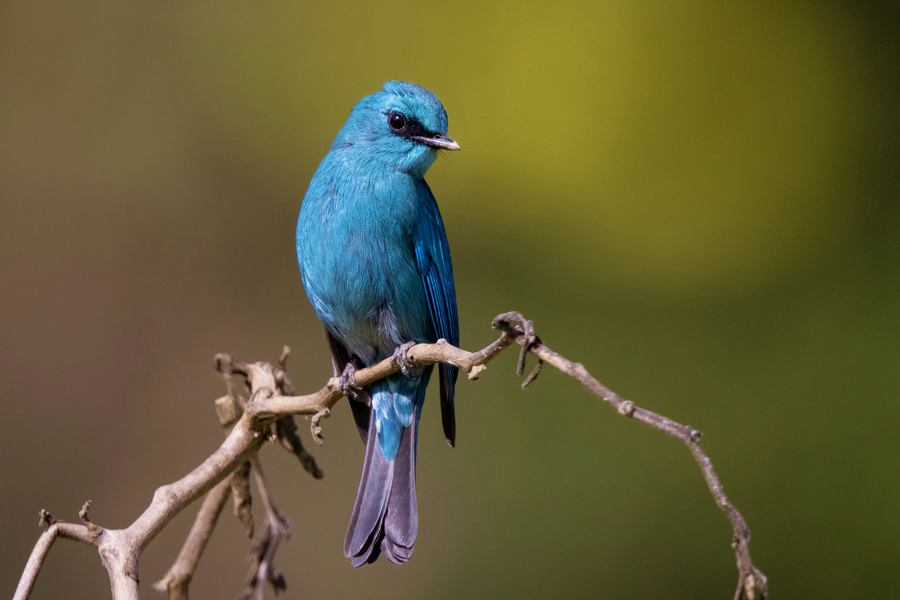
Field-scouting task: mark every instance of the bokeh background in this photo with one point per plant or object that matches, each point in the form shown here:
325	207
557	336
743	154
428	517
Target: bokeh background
697	200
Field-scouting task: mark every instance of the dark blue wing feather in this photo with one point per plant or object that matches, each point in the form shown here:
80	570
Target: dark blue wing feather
433	258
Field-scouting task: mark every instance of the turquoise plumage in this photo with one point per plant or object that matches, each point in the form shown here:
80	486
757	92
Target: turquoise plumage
376	267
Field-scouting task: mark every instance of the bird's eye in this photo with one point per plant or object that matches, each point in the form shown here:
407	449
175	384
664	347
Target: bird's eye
396	121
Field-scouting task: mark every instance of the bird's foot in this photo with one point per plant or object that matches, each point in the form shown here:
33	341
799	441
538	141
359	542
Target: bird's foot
348	381
401	361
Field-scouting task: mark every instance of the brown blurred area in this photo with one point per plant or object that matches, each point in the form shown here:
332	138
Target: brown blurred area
697	201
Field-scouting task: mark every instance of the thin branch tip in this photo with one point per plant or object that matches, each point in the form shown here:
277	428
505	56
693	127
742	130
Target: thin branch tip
222	363
286	432
282	360
534	373
46	519
94	530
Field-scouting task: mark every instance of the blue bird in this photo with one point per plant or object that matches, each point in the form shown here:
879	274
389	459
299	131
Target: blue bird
376	267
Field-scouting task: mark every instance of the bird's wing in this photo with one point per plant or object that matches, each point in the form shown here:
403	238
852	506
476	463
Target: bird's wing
433	259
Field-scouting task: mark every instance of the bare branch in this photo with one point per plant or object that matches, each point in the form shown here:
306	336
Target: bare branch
324	399
35	562
262	553
42	547
286	428
244	441
178	578
750	578
272	399
243	500
286	432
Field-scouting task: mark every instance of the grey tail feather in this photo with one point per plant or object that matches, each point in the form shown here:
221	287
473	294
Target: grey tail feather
385	518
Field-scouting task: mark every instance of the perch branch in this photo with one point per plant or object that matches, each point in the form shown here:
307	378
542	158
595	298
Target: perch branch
272	399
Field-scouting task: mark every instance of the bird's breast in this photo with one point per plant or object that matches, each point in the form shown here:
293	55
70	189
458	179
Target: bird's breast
355	246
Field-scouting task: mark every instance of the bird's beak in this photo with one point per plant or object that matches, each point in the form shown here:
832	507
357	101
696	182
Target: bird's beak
437	141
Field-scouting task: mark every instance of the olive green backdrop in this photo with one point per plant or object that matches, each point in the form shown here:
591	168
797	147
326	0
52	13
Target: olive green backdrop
697	201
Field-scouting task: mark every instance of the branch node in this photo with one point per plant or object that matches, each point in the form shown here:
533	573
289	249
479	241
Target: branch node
516	326
626	408
695	436
507	323
314	425
476	371
263	393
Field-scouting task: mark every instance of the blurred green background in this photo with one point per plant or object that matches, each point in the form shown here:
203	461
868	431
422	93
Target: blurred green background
698	201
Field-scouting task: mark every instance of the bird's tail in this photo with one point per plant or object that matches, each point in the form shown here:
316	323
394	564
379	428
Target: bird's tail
385	518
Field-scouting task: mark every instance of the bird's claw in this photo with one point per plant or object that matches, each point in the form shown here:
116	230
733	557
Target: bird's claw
348	382
401	361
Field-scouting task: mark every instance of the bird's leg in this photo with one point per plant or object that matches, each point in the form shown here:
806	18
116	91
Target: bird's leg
400	360
348	381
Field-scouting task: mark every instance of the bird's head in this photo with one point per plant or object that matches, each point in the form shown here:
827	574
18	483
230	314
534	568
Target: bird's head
403	126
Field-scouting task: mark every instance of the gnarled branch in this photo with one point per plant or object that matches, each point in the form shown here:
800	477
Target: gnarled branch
272	399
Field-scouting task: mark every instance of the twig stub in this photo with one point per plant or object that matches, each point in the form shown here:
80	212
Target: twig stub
46	519
93	529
